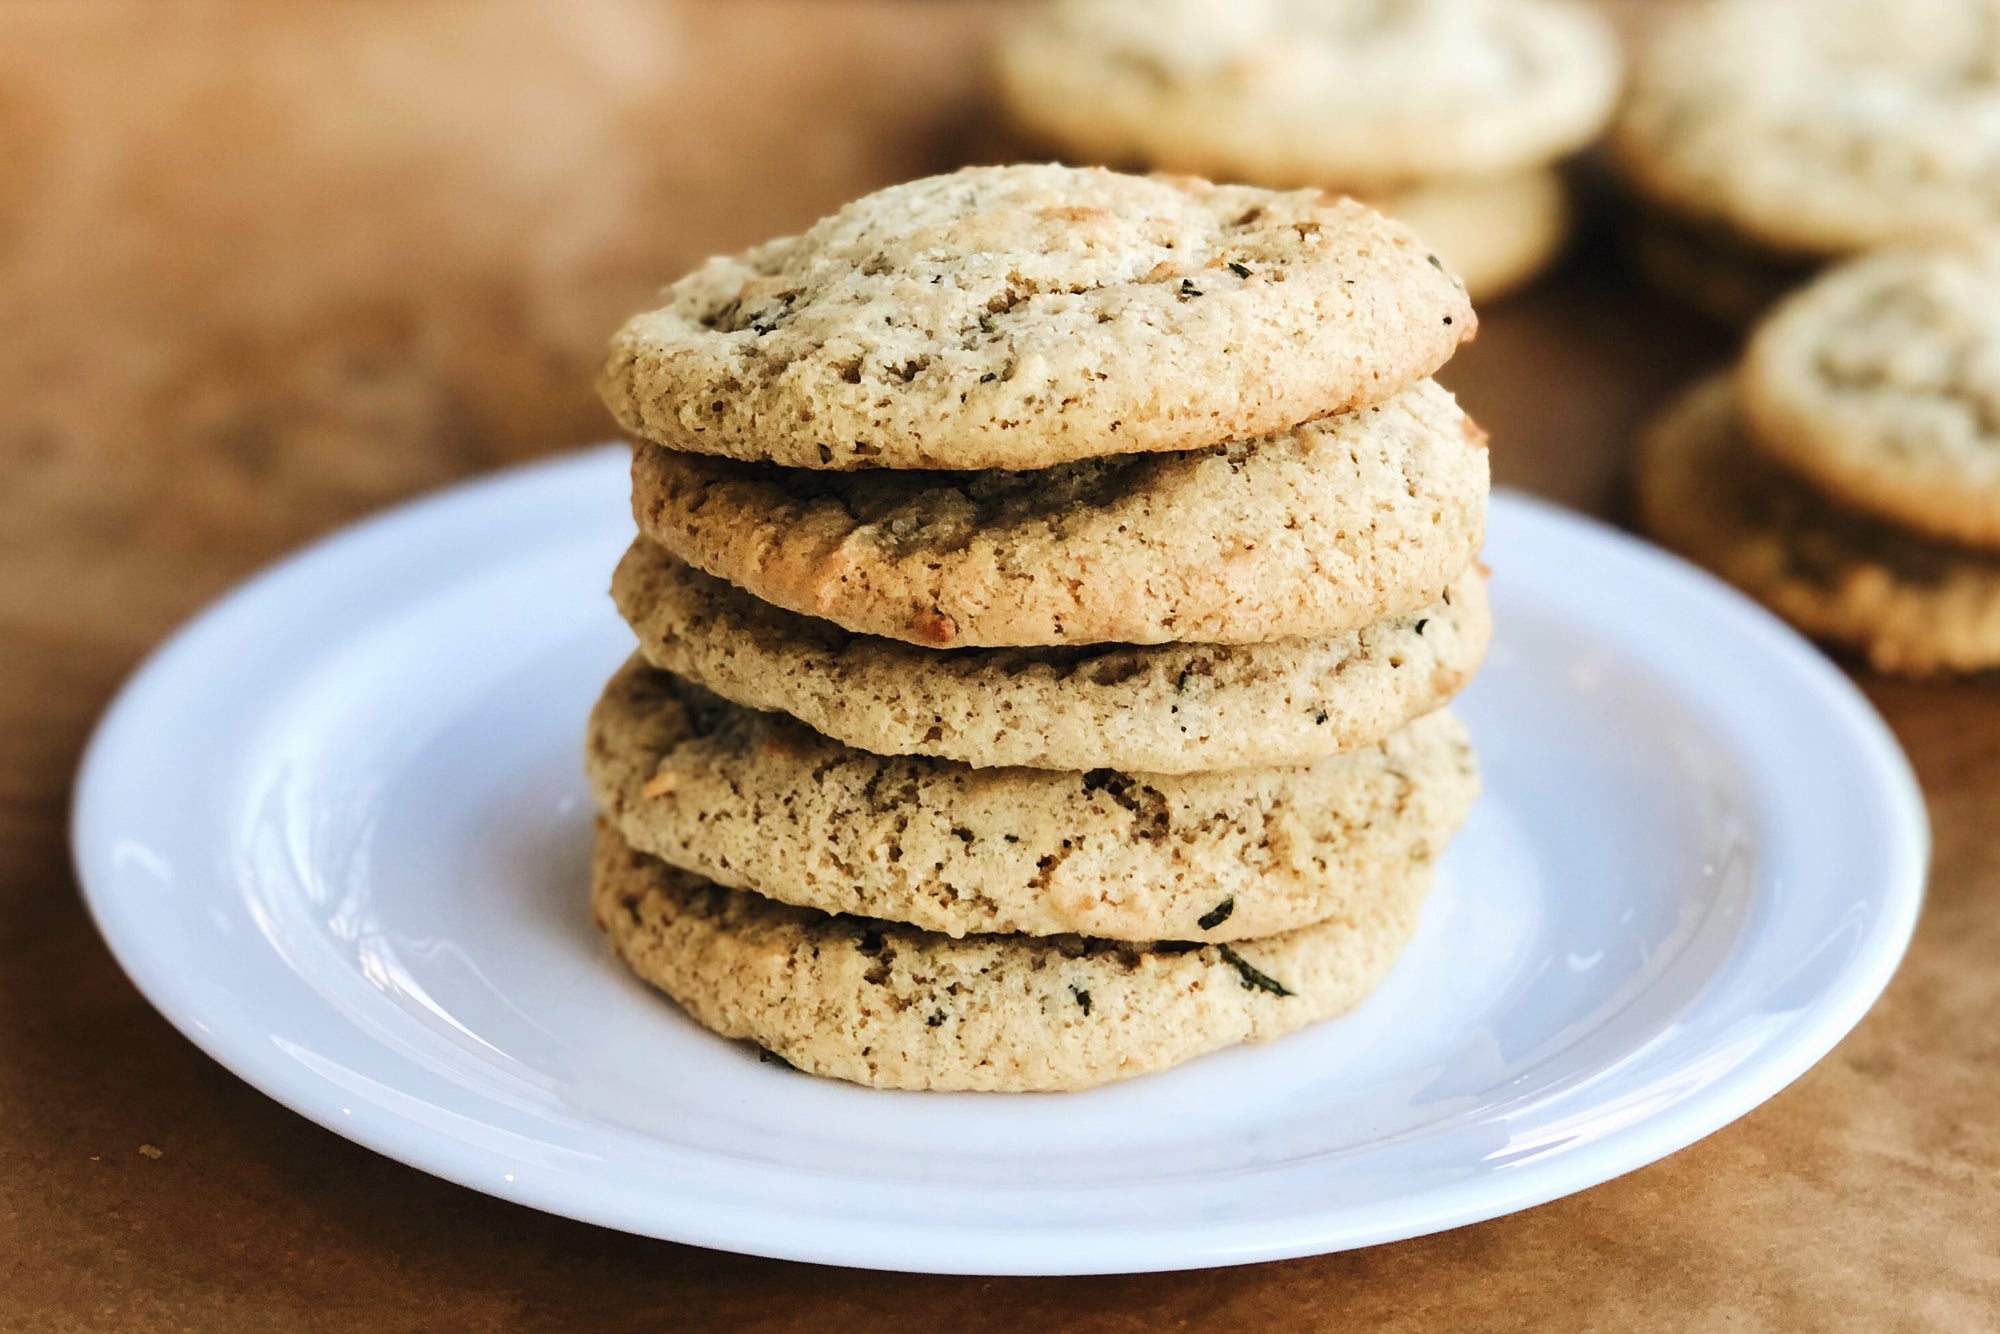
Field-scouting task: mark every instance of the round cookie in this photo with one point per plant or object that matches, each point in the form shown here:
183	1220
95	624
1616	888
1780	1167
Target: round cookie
1165	708
1496	233
760	802
1820	126
1912	606
1024	316
889	1006
1326	527
1880	385
1355	93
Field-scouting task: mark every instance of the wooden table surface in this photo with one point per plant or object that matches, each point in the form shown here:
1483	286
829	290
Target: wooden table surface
264	268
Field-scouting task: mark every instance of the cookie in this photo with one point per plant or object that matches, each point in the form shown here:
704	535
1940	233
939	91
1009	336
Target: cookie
1025	316
1496	234
759	801
1357	94
890	1006
1880	385
1326	527
1820	126
1912	606
1709	269
1166	708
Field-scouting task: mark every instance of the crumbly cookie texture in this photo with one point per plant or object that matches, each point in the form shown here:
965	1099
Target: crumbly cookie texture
1880	384
889	1006
1912	606
1497	234
1821	126
1326	527
760	802
1166	708
1355	93
1025	316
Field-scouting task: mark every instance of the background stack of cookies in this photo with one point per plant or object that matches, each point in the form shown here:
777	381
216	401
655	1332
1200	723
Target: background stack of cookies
1765	138
1849	473
1048	582
1449	115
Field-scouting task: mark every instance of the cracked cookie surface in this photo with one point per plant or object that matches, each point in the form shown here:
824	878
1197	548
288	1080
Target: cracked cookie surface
1880	384
760	802
1913	606
1025	316
1326	527
1162	708
890	1006
1359	94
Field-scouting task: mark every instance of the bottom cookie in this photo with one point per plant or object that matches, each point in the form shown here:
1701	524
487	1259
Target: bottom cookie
889	1006
1912	605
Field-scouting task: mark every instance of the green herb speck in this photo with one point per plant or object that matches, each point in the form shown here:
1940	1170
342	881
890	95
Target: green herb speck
1252	979
1319	718
1422	622
989	377
1217	915
1240	270
1188	289
1082	997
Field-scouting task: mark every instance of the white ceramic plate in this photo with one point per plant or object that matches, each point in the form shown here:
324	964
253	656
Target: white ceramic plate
336	831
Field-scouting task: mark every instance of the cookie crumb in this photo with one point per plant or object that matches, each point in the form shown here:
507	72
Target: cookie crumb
152	1151
934	628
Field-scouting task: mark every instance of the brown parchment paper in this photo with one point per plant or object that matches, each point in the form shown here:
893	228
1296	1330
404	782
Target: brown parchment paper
264	267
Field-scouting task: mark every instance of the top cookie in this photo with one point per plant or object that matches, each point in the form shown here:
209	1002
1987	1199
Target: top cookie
1821	126
1021	317
1880	383
1354	93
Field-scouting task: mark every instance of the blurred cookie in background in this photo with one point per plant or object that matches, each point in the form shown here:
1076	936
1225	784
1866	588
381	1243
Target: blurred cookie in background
1880	383
1848	476
1707	268
1448	113
1496	234
1765	137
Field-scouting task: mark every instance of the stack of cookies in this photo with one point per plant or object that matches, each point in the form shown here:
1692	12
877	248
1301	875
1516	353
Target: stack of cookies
1849	473
1767	137
1047	587
1449	115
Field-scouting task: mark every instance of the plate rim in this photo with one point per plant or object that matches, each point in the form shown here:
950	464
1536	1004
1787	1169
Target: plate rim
884	1245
